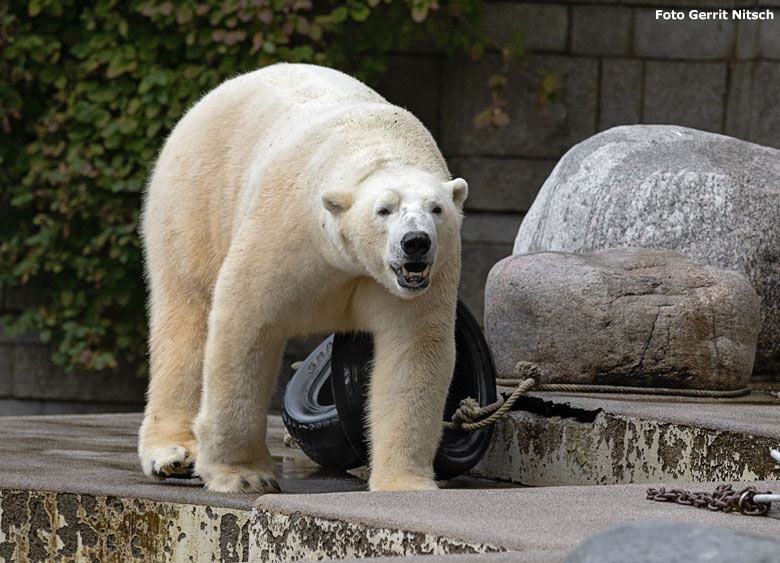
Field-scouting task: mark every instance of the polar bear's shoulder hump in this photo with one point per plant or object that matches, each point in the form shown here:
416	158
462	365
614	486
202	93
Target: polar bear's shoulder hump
298	82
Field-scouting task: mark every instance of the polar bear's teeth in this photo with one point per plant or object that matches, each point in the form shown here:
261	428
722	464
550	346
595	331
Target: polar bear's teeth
415	275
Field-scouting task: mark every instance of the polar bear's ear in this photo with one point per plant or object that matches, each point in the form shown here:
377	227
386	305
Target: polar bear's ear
460	190
335	201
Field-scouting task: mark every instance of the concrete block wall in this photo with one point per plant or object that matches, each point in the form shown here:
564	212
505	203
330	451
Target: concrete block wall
615	64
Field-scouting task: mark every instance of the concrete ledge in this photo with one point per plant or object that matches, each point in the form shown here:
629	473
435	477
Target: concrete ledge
544	522
612	439
49	526
279	535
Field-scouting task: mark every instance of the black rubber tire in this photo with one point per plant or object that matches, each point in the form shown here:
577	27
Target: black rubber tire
474	376
310	415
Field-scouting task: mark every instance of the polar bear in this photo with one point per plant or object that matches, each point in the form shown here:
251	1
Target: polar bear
295	200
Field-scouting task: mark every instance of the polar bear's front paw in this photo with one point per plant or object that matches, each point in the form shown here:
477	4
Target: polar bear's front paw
170	461
225	478
401	483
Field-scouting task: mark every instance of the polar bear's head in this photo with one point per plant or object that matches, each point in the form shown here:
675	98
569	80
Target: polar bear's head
398	226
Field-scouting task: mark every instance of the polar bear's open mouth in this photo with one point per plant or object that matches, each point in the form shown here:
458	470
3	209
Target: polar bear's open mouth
413	275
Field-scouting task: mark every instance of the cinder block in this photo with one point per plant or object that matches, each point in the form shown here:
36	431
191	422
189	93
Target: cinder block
740	100
491	228
534	130
414	82
6	371
769	37
477	261
689	94
747	38
601	30
544	25
765	119
501	184
689	39
35	377
621	92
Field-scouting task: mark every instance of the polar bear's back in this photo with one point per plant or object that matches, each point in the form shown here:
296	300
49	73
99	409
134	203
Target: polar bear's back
309	85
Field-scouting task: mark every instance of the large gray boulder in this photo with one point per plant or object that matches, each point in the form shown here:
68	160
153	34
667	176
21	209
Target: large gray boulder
637	317
712	198
666	541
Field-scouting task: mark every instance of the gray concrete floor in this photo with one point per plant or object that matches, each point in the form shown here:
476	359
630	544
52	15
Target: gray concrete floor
96	454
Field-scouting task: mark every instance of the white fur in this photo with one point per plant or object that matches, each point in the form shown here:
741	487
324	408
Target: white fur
260	224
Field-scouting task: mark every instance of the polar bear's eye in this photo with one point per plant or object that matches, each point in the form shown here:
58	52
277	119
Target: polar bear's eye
436	209
383	212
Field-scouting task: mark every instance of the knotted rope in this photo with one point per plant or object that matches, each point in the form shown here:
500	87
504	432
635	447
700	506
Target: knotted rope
468	415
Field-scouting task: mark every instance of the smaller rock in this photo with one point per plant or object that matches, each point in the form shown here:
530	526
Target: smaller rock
637	317
662	541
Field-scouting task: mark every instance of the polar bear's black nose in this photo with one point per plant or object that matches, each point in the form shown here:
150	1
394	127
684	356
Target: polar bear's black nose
416	243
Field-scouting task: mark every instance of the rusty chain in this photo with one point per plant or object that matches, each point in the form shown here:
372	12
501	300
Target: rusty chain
724	498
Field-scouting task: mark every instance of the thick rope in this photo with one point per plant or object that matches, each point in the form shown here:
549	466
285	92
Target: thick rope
469	413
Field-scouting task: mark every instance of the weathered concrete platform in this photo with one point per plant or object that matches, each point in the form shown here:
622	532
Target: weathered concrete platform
607	439
71	490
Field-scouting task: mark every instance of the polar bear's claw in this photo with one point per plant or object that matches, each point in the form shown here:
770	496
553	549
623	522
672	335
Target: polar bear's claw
242	480
171	462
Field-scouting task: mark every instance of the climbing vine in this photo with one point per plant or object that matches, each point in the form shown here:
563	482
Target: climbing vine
90	90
